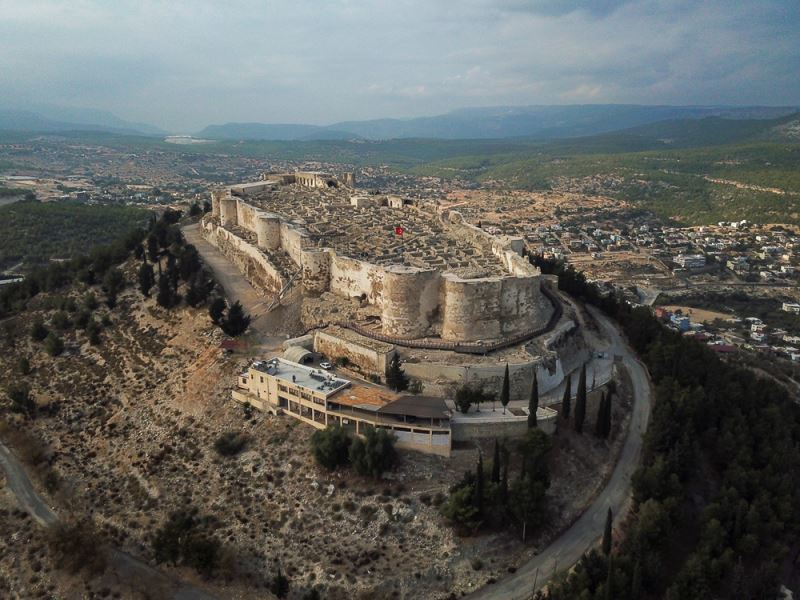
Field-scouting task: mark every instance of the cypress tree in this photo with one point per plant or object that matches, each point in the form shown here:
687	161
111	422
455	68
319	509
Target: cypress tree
496	463
607	416
607	539
636	582
599	425
504	479
505	392
567	399
533	402
146	279
477	492
580	401
396	377
610	579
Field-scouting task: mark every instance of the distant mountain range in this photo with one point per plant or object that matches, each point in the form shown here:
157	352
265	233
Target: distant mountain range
672	125
55	119
540	122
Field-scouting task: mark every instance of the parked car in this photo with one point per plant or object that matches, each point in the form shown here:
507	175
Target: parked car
326	365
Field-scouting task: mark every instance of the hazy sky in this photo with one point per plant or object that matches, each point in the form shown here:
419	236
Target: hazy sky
182	64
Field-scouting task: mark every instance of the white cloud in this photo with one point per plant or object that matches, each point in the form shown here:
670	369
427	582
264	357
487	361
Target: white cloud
182	64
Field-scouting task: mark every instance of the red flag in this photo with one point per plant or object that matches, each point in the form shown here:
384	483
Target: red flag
399	230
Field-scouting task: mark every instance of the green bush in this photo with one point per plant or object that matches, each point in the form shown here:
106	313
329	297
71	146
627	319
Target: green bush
330	447
231	443
374	454
53	345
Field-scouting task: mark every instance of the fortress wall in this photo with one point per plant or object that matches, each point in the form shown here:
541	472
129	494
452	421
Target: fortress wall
519	265
246	215
352	278
443	380
366	360
216	197
268	231
255	267
292	241
316	266
471	308
410	301
522	305
227	211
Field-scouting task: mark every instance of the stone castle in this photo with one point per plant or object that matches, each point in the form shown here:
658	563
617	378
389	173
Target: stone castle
427	272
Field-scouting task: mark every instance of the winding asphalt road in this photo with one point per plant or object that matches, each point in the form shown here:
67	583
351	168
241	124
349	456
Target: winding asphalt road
128	568
568	548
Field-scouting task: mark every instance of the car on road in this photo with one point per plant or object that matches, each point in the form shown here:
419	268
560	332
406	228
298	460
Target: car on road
326	365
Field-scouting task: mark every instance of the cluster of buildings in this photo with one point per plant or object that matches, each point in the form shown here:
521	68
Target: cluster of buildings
750	333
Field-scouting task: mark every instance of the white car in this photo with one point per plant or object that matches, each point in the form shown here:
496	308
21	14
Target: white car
326	365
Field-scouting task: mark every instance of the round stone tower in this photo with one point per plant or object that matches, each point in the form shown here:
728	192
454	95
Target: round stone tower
268	231
227	211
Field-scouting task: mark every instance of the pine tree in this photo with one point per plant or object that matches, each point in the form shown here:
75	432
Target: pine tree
146	279
198	290
567	399
496	463
172	272
216	310
607	539
166	294
533	402
152	247
580	402
236	322
396	378
477	491
505	392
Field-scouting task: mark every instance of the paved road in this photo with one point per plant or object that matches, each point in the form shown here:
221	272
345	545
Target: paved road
567	549
129	568
23	489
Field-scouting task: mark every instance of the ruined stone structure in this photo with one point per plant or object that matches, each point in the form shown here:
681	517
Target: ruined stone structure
427	273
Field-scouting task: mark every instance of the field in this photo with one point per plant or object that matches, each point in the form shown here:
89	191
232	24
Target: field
33	233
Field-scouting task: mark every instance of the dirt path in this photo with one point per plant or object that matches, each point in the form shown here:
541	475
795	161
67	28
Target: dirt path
236	287
130	569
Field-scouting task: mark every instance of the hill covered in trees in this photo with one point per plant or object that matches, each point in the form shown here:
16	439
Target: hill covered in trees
35	232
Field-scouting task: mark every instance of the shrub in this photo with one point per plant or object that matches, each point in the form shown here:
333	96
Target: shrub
231	443
61	321
375	454
53	345
24	365
330	447
38	330
77	546
21	401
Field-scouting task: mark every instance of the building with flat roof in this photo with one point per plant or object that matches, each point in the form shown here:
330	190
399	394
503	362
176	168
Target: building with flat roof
319	398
